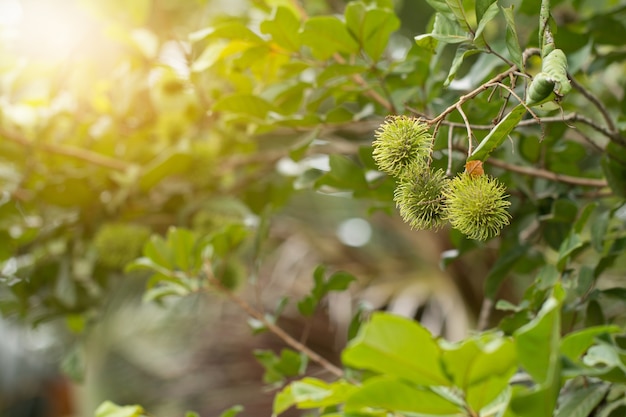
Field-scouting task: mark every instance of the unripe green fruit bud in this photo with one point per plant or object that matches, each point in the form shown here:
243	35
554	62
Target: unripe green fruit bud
118	244
476	206
420	198
401	141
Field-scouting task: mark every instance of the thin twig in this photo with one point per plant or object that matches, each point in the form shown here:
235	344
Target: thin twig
485	313
549	175
596	102
450	138
469	130
71	151
278	331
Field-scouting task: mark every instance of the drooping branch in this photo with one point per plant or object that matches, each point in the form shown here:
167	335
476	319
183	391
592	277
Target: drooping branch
272	327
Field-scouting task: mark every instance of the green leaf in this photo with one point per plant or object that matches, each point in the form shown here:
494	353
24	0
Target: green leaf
575	344
312	393
498	134
614	168
109	409
448	31
244	104
507	259
344	174
209	56
169	163
441	6
396	346
182	243
482	6
487	17
229	30
283	27
327	35
158	251
581	402
307	306
482	365
339	281
277	368
512	41
456	7
393	395
463	51
537	343
371	27
232	411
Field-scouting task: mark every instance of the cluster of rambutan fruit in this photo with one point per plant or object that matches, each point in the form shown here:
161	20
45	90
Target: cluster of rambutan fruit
474	203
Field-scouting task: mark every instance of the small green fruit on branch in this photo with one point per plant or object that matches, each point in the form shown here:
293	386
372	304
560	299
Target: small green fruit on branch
473	202
476	205
419	198
401	142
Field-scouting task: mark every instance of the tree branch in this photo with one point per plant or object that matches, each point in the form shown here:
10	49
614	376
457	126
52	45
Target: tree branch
549	175
71	151
284	336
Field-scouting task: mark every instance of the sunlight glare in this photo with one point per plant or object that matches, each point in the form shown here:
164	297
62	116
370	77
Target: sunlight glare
48	30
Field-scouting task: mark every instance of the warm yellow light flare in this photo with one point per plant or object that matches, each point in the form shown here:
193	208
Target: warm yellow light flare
48	30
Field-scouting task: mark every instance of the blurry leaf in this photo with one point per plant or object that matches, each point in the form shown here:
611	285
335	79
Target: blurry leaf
283	27
581	402
158	251
393	395
209	56
464	50
371	27
456	7
575	344
498	134
538	343
344	174
109	409
396	346
307	306
182	243
486	17
442	7
277	368
614	167
571	243
505	262
512	41
68	192
192	414
169	163
448	31
227	30
327	35
311	393
481	8
244	104
594	316
230	412
339	281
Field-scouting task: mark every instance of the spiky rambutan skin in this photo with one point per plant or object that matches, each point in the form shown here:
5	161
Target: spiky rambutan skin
477	206
420	198
401	141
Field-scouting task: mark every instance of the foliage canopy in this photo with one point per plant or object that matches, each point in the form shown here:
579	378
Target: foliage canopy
167	146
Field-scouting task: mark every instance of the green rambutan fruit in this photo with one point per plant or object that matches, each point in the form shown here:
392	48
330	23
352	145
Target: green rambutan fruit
401	141
420	198
477	206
